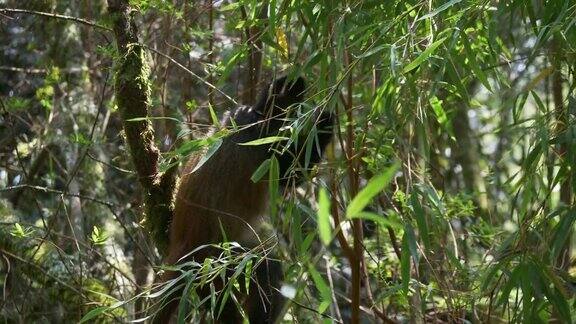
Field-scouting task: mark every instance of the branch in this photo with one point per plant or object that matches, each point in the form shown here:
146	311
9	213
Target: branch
352	166
45	155
51	15
187	70
38	71
133	100
254	41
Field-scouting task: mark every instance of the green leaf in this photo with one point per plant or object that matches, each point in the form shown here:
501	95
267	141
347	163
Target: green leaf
405	264
211	150
374	186
20	232
420	220
423	56
204	272
381	220
473	63
438	110
562	233
306	243
265	140
412	243
153	118
231	6
490	275
323	288
98	237
94	313
273	186
560	295
248	274
192	146
261	171
373	51
439	9
191	105
441	115
512	282
324	229
184	304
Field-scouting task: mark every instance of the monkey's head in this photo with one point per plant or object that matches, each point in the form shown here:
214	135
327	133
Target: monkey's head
277	98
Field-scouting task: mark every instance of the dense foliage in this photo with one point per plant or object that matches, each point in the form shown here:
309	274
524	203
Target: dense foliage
446	195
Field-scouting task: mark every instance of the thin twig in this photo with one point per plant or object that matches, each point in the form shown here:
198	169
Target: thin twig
38	71
210	85
45	272
52	15
54	191
108	205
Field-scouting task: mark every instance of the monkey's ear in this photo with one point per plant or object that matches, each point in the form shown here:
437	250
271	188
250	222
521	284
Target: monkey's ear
283	92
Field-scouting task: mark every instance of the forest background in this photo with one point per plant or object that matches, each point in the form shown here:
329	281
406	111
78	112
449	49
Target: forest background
446	195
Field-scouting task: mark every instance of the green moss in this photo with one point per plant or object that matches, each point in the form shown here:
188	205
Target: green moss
133	69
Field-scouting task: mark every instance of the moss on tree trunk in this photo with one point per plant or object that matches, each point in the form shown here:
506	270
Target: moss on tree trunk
133	99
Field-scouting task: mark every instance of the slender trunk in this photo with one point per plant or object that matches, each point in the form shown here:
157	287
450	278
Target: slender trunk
253	38
140	269
466	155
561	114
133	99
211	49
353	180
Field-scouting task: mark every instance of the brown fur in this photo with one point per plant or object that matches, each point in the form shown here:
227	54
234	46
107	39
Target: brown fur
220	195
235	205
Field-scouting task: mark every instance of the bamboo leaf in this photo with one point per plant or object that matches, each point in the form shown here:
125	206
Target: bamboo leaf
423	56
273	178
412	242
420	220
405	264
265	140
473	62
94	313
261	171
439	9
562	233
381	220
209	153
324	229
323	288
374	186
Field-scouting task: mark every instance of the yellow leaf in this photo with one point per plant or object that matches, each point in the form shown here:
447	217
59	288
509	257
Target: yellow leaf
282	41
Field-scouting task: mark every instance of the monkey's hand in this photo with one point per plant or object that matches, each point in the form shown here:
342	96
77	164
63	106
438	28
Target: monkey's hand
245	115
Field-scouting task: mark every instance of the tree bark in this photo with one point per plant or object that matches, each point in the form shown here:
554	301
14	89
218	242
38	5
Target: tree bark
466	154
133	99
561	115
253	38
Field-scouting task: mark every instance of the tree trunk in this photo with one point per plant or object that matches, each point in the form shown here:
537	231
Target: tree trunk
133	99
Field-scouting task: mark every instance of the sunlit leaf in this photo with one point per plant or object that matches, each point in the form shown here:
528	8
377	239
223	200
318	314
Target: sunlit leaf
265	140
374	186
261	171
324	228
209	153
323	288
423	56
439	9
